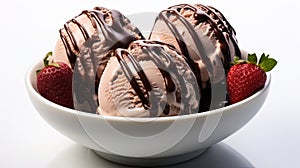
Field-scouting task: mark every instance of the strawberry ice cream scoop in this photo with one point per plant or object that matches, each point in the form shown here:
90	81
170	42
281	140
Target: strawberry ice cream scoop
148	79
207	39
112	28
83	44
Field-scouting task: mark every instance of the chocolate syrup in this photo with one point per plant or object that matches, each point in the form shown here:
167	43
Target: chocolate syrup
130	77
115	34
169	71
218	28
88	64
228	29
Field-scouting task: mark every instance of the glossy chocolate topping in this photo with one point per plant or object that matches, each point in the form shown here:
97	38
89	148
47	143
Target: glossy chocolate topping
202	14
89	60
114	32
169	71
223	25
220	26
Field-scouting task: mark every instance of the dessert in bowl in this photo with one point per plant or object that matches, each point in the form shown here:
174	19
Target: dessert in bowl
120	139
146	102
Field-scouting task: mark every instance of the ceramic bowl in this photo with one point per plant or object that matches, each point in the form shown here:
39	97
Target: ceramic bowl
146	141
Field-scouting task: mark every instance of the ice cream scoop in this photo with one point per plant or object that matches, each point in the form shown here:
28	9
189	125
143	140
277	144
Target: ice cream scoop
207	40
83	44
113	28
148	79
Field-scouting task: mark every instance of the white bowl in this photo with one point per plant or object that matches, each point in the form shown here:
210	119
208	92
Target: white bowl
146	141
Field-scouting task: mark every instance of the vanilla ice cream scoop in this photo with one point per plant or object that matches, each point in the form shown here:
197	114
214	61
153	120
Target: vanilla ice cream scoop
148	79
207	40
84	42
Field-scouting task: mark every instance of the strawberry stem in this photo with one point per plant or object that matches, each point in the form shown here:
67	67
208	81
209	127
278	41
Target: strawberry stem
45	61
265	63
55	64
46	58
237	60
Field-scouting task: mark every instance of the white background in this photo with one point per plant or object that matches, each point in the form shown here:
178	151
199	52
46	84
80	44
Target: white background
29	29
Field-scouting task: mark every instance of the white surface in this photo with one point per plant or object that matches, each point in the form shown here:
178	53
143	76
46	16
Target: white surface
29	29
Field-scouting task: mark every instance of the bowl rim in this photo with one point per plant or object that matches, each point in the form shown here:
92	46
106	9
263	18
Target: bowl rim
33	91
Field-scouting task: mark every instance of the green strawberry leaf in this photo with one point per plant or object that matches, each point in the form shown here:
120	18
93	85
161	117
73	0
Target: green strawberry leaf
265	63
46	58
252	58
263	57
268	64
45	61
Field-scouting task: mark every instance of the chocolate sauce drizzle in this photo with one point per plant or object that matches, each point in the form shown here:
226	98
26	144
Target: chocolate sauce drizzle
115	34
224	28
200	16
167	67
87	63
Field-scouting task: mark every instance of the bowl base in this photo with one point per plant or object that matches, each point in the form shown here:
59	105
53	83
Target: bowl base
150	162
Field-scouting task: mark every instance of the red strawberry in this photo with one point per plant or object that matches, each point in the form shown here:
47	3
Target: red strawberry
54	82
247	77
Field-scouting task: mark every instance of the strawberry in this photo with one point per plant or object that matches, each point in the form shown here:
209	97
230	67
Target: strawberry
247	77
54	82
